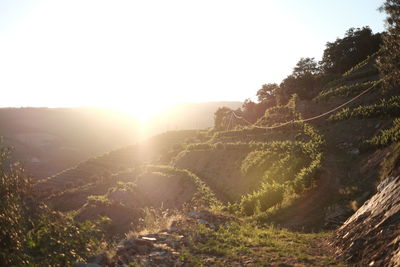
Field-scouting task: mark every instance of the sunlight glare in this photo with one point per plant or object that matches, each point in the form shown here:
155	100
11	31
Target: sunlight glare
142	109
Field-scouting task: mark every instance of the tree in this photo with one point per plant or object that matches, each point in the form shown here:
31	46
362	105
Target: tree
306	66
389	62
267	92
346	52
304	80
252	111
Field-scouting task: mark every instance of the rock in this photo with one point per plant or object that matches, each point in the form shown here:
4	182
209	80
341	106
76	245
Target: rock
84	264
202	221
371	235
193	213
157	253
335	216
354	151
101	259
121	250
149	238
138	245
384	183
80	264
163	248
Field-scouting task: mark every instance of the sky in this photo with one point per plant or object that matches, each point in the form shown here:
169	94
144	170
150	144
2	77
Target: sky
142	56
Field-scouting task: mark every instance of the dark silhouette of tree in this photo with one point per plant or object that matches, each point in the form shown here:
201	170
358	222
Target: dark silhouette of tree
267	92
346	52
253	111
306	66
304	81
389	62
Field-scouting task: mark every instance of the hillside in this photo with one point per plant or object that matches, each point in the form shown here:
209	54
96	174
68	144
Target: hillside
307	175
49	140
322	167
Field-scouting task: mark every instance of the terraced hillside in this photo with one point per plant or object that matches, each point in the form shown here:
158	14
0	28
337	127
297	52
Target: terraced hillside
124	199
101	167
307	166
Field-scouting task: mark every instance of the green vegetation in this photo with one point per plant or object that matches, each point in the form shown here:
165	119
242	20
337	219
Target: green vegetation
387	137
284	168
34	235
386	107
346	52
258	163
13	194
277	169
100	168
389	64
346	90
58	240
240	243
203	197
390	162
280	114
362	66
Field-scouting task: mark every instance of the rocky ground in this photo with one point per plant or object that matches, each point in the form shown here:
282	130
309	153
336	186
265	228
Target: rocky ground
199	239
371	237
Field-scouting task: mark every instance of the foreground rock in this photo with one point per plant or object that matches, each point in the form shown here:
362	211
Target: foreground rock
371	237
162	248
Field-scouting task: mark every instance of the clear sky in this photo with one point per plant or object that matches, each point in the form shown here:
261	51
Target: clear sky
138	54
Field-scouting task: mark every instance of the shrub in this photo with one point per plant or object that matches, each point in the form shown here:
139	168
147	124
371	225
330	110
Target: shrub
14	190
33	235
57	240
386	137
98	200
270	195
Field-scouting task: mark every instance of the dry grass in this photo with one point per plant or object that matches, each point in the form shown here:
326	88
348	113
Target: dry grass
155	220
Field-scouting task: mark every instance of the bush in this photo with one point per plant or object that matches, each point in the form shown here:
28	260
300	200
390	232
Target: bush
57	240
14	191
33	235
98	200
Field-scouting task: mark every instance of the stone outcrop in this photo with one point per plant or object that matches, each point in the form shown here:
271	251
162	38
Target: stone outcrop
371	237
162	248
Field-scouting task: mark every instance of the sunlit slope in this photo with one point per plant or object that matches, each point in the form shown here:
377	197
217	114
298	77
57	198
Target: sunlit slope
267	170
129	192
258	169
219	167
243	166
101	167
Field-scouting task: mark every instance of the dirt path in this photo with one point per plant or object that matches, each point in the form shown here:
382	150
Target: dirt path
307	213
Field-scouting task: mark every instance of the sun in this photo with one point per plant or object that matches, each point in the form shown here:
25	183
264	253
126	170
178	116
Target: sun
143	111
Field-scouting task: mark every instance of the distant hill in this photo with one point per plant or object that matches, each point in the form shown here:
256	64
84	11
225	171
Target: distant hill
185	116
48	140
